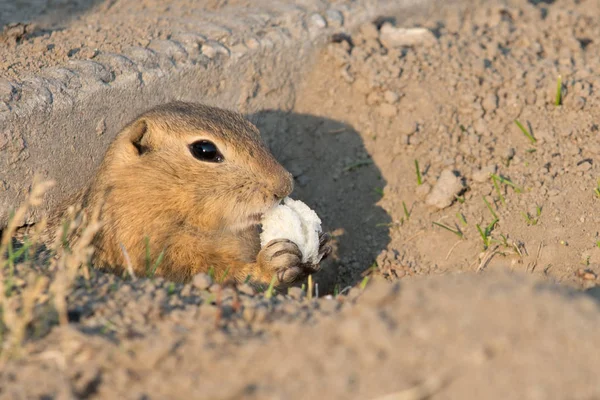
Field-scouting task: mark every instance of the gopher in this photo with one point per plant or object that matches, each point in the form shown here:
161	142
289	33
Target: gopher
191	182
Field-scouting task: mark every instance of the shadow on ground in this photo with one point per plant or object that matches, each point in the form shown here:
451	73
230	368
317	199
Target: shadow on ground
335	176
47	14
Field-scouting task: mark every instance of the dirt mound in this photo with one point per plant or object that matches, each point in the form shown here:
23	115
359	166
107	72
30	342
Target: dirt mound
492	336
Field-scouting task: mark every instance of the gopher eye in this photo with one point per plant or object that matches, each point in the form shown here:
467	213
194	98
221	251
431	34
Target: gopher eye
204	150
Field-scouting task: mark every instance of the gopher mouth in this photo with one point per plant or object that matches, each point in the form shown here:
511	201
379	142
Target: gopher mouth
256	217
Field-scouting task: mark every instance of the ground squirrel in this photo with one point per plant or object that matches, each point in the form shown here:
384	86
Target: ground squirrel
192	181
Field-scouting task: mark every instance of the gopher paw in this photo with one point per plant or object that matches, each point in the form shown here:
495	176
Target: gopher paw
283	257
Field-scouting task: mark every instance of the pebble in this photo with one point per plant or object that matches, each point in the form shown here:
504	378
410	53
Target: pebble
483	174
392	37
406	126
423	190
446	188
361	86
346	74
584	166
373	99
490	102
202	281
296	293
318	21
391	97
214	288
369	31
387	110
329	306
335	18
246	289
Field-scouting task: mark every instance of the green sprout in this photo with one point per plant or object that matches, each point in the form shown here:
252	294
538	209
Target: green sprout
406	212
419	177
526	132
456	231
490	208
487	233
271	289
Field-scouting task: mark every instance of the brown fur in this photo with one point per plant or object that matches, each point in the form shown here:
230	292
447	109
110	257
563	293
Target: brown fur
200	214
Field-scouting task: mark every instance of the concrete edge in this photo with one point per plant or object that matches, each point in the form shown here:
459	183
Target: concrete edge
58	124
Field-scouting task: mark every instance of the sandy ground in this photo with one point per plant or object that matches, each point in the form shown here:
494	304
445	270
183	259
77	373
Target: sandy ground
40	34
447	312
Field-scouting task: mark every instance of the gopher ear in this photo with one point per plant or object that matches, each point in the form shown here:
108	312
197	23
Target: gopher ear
139	136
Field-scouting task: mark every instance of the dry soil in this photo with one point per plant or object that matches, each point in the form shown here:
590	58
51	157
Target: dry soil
481	273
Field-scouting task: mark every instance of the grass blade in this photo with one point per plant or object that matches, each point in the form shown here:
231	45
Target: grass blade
495	181
358	164
490	227
157	263
457	232
490	208
224	276
526	132
507	182
406	213
363	283
419	177
270	290
484	237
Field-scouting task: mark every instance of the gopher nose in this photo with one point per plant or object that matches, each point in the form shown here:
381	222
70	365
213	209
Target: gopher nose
284	186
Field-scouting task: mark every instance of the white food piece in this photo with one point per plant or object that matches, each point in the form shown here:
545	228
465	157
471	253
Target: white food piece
295	221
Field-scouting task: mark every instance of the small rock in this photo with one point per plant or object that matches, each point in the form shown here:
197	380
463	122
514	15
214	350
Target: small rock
14	32
252	43
584	166
335	18
387	110
318	21
101	127
7	90
246	289
373	99
346	74
490	102
391	97
509	154
248	314
423	190
392	37
296	293
369	31
483	174
215	288
361	86
202	281
329	306
212	49
579	103
446	188
261	314
406	127
586	274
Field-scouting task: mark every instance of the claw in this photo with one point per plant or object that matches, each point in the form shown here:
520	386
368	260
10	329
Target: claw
324	238
325	252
